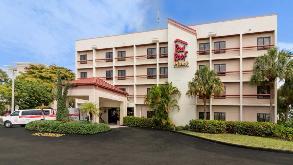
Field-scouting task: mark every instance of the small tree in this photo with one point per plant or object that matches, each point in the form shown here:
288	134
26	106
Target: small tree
205	84
162	99
62	91
267	69
89	108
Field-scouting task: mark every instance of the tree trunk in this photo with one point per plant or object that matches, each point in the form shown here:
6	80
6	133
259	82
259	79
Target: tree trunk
272	93
204	108
287	113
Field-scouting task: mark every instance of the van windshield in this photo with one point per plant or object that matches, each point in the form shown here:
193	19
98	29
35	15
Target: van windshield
15	113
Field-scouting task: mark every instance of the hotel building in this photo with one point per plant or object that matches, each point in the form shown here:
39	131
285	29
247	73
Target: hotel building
135	62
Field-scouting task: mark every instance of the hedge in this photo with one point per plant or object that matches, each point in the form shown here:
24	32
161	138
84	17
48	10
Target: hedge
264	129
72	127
142	122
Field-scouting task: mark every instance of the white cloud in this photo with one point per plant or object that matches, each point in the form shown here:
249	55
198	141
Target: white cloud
46	30
286	45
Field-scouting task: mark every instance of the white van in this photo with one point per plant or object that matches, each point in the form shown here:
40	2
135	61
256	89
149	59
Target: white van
22	117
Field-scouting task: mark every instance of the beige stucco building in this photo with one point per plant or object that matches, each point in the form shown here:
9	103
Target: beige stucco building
134	62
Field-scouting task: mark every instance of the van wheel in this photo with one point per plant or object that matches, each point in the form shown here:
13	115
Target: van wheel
7	124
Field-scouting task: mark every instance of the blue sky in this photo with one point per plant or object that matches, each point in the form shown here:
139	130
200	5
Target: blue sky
43	31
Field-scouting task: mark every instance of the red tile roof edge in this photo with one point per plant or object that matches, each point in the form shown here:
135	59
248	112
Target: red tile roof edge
97	82
181	26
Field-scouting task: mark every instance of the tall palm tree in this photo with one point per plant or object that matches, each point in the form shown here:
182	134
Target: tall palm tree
267	69
162	99
205	84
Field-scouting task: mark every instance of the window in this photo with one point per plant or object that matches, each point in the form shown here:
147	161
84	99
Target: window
204	48
220	69
148	90
83	74
263	117
151	73
201	66
123	89
201	115
46	112
83	59
109	56
163	72
130	111
151	53
15	113
121	55
219	47
150	114
109	74
219	116
263	43
121	74
263	92
221	95
163	51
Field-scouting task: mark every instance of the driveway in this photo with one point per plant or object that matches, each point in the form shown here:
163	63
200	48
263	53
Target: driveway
126	146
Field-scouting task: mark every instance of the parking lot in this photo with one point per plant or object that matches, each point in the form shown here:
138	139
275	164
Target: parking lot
126	146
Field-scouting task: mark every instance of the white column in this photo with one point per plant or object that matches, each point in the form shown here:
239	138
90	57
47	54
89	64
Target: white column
94	98
113	66
76	65
276	85
134	79
158	59
123	111
211	67
94	62
241	79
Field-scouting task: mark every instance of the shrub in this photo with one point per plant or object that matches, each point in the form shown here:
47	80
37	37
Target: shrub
146	123
288	123
72	127
208	126
264	129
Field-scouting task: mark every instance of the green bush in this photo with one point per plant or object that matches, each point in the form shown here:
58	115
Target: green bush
264	129
142	122
73	127
288	123
208	126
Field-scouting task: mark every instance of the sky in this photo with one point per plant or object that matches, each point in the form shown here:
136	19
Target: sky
42	31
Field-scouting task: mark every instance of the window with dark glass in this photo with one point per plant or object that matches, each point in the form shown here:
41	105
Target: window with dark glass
151	73
121	55
263	117
220	69
263	43
201	66
123	89
219	47
163	72
219	116
148	90
151	53
109	74
221	95
263	92
109	56
121	74
15	113
130	111
83	58
201	115
83	74
163	51
204	48
150	114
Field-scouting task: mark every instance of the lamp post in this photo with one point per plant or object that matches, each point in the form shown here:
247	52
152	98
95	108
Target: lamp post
13	69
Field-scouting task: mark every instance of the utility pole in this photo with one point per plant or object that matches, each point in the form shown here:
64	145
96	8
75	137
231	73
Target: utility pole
13	69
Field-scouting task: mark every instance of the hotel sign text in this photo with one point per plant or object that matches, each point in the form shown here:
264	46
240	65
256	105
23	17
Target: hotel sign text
180	53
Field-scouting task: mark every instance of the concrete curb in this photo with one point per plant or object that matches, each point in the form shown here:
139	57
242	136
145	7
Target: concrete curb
238	145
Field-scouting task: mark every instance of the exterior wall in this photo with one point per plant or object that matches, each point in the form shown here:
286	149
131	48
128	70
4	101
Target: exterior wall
250	113
240	53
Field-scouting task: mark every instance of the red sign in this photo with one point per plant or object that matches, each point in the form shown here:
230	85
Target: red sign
180	53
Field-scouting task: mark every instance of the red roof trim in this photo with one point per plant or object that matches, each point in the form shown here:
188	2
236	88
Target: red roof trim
181	26
97	82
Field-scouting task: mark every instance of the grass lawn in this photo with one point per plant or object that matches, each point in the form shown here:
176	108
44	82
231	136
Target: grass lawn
245	140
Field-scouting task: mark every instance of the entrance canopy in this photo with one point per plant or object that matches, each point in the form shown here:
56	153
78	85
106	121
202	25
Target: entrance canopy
101	93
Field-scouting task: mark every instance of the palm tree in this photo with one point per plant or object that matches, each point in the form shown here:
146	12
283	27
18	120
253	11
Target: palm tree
205	84
267	69
162	99
89	108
